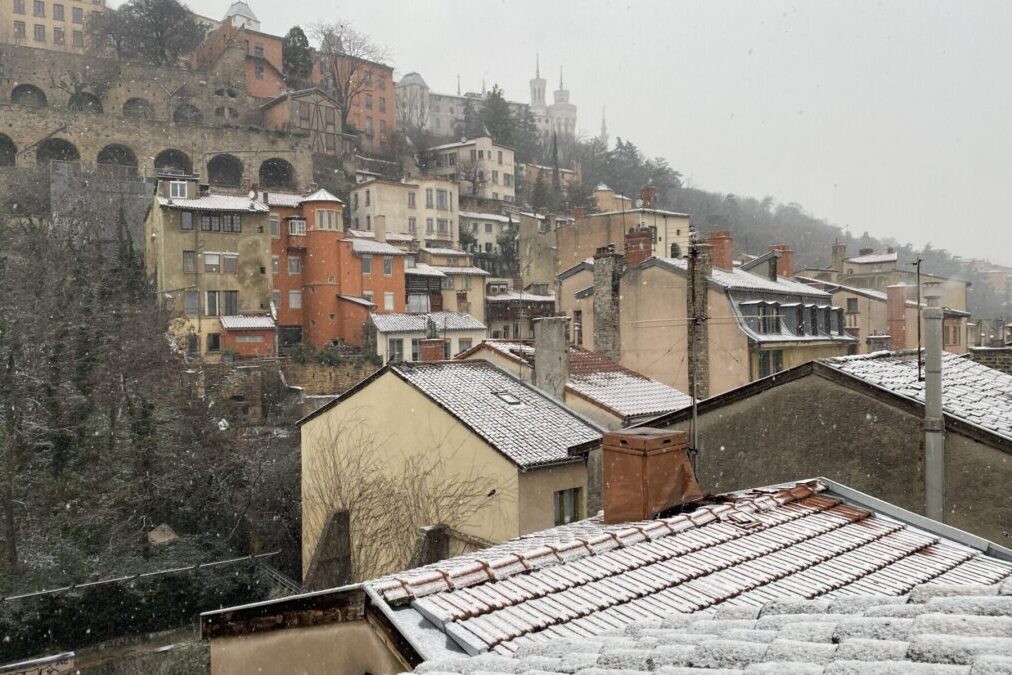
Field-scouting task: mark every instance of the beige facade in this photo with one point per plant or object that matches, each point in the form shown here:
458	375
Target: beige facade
463	285
203	271
479	166
425	208
579	240
486	228
522	502
457	341
59	25
606	199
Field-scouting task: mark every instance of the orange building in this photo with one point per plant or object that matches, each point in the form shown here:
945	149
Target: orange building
264	63
372	110
326	285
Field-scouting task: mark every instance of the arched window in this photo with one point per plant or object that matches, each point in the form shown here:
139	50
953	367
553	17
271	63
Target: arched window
56	149
676	251
276	172
138	108
173	160
224	171
187	113
117	155
8	151
29	95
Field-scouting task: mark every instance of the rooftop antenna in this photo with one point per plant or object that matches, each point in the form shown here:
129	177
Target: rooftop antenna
458	85
537	66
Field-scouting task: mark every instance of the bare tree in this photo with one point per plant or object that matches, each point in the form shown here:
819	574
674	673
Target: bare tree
348	61
389	497
471	172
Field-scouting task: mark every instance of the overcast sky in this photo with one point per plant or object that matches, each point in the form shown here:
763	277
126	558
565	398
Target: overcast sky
891	117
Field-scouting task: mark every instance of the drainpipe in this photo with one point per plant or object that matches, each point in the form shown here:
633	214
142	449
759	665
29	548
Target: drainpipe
934	422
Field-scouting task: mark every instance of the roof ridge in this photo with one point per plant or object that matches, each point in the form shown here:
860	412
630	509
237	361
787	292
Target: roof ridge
402	588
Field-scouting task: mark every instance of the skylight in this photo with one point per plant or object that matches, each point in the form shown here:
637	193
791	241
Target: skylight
507	397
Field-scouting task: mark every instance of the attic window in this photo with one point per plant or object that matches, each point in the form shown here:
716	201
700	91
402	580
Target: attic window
507	397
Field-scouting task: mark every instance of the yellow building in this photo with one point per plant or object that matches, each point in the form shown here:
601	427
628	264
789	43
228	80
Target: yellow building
447	424
463	284
209	257
425	209
59	25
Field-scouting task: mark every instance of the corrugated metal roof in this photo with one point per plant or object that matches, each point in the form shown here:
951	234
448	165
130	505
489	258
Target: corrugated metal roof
972	392
518	420
393	322
741	550
246	322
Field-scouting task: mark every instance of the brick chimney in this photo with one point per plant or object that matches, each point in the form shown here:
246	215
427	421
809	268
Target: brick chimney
579	213
639	244
785	263
839	255
723	249
896	316
432	349
551	355
700	269
646	472
648	195
607	273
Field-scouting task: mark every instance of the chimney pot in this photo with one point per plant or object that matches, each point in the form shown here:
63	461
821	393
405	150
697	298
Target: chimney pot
639	244
648	195
646	471
722	246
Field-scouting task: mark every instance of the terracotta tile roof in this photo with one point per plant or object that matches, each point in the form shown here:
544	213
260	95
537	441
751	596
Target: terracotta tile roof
742	550
597	378
518	420
971	392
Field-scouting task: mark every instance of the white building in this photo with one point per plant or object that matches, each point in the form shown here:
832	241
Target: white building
480	167
486	228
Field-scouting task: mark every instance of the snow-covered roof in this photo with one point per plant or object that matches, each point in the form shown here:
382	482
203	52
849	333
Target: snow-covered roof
412	78
874	258
354	299
528	427
391	236
971	392
247	322
282	199
484	216
437	250
738	279
392	322
600	380
242	9
459	144
512	296
322	195
423	270
373	247
659	212
215	203
562	600
451	270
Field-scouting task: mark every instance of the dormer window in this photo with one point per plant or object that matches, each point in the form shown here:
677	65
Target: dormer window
177	189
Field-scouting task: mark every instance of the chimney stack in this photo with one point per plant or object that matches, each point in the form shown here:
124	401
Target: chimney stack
700	269
934	421
722	246
380	223
607	274
639	244
646	472
865	251
432	349
785	263
648	195
896	316
551	355
839	255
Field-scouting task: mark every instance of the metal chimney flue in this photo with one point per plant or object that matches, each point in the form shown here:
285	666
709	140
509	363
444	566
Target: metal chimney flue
934	422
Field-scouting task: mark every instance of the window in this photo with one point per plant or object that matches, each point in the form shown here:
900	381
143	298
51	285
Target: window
192	299
388	265
368	125
230	301
276	298
275	264
464	345
441	199
368	295
507	179
578	327
447	283
19	6
231	222
59	36
495	178
214	342
388	301
770	362
416	349
177	189
367	198
356	200
488	228
326	219
382	106
58	12
412	225
40	33
211	303
368	223
851	305
567	506
411	200
428	225
39	8
443	226
210	223
488	247
258	70
367	264
78	38
230	264
212	262
428	198
481	154
295	299
395	350
297	227
258	50
500	156
186	220
275	224
19	29
368	101
78	15
189	262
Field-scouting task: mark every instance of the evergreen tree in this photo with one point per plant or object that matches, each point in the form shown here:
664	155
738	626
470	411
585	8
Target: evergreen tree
556	179
297	57
527	146
497	118
472	127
